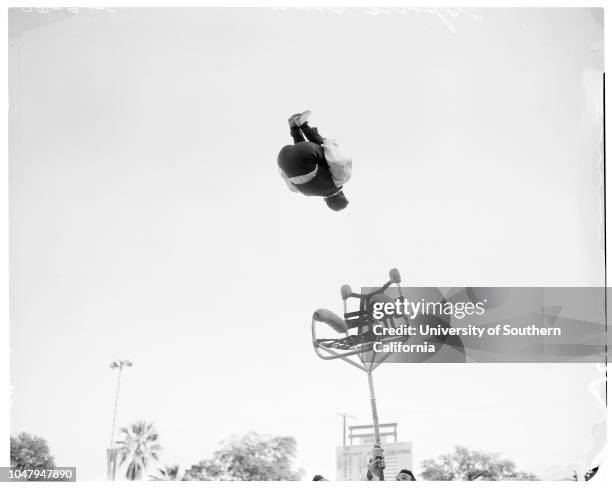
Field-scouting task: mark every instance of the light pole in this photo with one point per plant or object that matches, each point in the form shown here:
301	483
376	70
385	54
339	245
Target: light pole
111	456
118	365
344	417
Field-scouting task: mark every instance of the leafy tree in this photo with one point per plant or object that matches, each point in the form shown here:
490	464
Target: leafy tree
138	447
30	452
250	458
167	473
466	465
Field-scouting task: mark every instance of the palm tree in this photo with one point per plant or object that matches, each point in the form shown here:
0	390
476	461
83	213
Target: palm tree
139	446
169	472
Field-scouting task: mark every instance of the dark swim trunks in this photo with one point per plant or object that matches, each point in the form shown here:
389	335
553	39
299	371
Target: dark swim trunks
301	158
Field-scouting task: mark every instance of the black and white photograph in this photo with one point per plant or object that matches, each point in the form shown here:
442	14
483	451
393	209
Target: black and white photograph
306	243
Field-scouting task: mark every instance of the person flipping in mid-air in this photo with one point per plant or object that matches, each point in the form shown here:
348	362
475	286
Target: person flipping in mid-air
314	167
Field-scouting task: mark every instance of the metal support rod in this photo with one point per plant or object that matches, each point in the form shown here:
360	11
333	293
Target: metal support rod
381	474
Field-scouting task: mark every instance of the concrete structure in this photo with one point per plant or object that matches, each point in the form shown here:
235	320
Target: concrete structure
352	460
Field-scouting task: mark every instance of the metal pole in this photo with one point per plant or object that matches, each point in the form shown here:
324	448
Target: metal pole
116	403
381	474
344	416
111	453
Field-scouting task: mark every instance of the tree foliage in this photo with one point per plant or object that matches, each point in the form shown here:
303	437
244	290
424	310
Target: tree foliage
249	458
466	465
167	473
138	447
30	452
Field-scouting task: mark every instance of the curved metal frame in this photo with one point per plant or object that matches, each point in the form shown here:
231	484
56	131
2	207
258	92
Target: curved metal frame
323	346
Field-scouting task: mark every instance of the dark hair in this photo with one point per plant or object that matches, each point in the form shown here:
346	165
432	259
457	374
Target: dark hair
318	477
408	472
337	202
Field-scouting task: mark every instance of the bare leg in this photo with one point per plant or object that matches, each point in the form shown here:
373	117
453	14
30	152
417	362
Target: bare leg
296	134
312	134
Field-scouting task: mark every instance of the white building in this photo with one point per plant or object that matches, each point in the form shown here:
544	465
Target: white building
352	460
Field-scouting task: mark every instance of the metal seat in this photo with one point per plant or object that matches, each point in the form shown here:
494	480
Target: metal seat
357	327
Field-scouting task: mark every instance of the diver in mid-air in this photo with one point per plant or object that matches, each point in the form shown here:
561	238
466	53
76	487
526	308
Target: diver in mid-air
314	167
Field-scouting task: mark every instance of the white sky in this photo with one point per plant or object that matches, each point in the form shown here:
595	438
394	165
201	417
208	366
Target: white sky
148	221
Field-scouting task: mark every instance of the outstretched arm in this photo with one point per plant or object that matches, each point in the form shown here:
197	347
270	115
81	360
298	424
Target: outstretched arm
377	462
